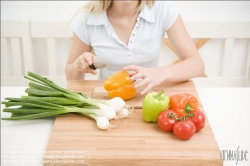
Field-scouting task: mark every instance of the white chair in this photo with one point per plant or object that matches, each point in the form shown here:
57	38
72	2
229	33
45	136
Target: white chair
229	32
19	52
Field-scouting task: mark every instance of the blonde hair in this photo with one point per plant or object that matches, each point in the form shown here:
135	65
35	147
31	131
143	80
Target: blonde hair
98	7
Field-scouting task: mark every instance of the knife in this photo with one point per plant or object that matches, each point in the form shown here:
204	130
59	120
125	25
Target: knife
97	65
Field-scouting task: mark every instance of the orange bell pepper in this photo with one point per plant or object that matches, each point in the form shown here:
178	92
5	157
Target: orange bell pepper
120	85
183	103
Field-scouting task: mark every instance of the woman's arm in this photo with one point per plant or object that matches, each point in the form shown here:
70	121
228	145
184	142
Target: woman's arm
79	57
191	65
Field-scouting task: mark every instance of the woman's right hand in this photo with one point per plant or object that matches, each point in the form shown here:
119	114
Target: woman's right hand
83	62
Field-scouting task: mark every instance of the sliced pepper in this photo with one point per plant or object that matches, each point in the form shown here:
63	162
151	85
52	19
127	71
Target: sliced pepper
153	104
183	103
120	85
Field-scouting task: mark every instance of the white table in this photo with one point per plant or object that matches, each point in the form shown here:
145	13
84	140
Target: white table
227	109
22	140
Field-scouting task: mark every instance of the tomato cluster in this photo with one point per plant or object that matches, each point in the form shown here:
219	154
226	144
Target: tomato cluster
183	117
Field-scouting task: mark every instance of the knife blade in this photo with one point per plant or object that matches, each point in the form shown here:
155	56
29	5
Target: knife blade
97	65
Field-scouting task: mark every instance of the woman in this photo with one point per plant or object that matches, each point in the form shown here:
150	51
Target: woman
127	35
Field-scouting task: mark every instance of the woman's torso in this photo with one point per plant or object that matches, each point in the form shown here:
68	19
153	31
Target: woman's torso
144	43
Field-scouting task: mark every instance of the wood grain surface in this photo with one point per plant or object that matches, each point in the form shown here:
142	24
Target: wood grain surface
76	140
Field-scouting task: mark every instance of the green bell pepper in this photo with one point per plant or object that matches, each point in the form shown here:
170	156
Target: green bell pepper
153	104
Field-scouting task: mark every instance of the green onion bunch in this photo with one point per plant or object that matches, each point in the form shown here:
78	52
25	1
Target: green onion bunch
45	99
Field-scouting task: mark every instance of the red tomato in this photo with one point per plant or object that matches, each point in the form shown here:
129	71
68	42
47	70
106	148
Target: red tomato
165	123
184	130
198	119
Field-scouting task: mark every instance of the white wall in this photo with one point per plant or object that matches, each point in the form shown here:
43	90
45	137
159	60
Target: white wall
190	10
63	10
214	10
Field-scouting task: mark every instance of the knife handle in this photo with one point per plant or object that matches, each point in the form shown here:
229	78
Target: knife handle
92	67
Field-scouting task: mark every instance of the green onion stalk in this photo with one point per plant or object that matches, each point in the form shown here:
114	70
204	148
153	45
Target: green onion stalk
45	99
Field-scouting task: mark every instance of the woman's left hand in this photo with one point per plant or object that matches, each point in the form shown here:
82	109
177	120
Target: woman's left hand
151	76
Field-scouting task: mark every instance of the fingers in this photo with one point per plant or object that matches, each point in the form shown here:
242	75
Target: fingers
146	77
147	89
134	72
131	73
138	76
132	68
94	59
145	83
83	62
89	58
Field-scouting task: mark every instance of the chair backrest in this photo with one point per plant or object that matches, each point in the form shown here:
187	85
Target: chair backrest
233	35
20	53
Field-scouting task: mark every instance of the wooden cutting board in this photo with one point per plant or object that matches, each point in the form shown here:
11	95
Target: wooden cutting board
76	140
136	102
